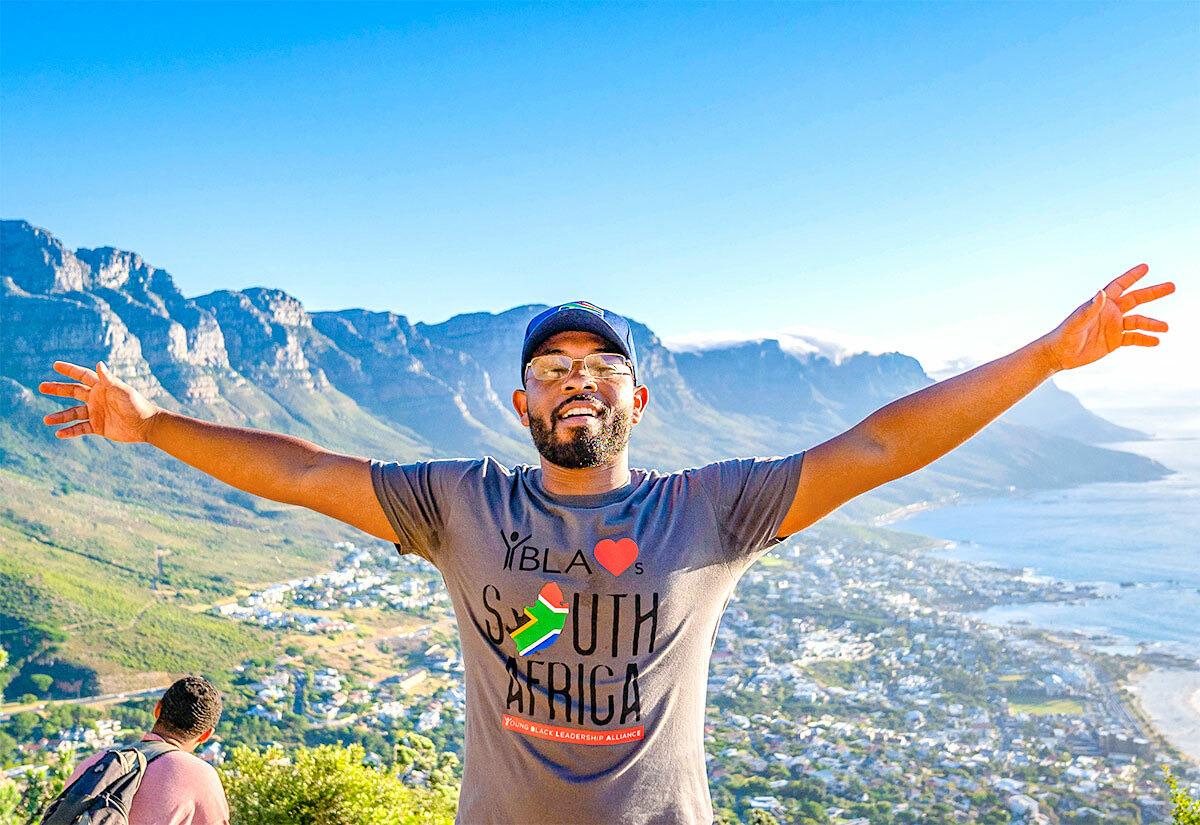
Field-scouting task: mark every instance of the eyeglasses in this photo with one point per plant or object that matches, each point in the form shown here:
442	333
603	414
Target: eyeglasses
606	366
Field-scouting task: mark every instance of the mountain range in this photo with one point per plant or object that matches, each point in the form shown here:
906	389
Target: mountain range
376	383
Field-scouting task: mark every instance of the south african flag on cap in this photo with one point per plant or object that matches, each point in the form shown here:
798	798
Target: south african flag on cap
584	305
579	316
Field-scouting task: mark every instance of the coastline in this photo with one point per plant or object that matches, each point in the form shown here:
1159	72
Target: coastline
1170	698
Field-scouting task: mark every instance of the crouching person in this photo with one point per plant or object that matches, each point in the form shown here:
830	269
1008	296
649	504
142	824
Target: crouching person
159	780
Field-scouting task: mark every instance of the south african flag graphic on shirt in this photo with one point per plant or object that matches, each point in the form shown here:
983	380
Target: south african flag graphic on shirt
547	616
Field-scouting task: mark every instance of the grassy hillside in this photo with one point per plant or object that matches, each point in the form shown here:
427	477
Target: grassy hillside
80	598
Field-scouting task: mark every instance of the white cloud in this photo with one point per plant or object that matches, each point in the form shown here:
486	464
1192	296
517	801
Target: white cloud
801	341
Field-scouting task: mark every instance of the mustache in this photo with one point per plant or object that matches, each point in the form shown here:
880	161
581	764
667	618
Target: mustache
574	399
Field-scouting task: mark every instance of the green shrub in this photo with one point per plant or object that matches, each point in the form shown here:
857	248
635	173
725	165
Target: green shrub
1187	810
41	787
326	785
10	802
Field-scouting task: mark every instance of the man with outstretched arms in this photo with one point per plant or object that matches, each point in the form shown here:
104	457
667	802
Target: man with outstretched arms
587	592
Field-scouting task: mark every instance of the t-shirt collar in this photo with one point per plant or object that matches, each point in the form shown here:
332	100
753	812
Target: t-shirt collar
588	500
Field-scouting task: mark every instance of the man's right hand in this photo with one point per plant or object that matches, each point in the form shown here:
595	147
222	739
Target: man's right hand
270	465
110	407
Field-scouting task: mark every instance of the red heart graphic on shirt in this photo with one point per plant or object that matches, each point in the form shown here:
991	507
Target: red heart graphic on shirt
616	556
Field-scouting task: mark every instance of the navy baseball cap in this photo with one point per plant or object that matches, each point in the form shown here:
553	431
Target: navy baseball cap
579	316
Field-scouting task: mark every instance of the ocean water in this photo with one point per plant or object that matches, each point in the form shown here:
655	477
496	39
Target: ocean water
1139	542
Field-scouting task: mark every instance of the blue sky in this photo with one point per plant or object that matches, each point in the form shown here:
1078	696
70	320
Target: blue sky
947	180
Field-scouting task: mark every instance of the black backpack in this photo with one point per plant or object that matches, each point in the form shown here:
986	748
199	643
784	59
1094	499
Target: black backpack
102	794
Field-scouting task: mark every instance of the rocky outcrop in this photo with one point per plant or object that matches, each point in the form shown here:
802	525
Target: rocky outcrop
266	332
37	262
36	330
392	369
105	304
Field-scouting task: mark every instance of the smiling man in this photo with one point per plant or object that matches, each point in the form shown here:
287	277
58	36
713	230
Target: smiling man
587	592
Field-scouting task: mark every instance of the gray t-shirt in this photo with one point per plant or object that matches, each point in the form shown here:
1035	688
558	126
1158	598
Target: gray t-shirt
586	625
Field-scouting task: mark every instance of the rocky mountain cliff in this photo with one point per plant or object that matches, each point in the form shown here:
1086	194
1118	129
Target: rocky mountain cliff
375	383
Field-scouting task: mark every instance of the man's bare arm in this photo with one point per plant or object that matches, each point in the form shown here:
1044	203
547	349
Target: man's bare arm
279	467
270	465
919	428
910	433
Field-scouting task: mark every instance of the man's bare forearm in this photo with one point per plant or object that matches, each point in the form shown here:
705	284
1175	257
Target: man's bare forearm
920	428
266	464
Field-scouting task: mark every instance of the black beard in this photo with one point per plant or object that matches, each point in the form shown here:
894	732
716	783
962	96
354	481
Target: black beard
583	448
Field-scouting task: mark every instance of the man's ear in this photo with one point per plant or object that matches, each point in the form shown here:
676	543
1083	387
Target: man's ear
641	397
520	404
157	708
204	737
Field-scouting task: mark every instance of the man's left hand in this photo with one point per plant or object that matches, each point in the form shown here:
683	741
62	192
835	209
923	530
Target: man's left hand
1100	326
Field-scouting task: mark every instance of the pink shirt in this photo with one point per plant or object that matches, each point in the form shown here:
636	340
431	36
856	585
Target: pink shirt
178	789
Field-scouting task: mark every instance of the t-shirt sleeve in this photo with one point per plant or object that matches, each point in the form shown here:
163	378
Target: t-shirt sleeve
750	498
418	498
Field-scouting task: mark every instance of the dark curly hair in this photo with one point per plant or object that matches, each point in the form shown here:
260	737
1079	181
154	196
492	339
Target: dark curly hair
190	706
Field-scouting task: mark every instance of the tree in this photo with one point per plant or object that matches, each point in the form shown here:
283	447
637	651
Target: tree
41	787
326	785
22	725
415	752
10	802
6	675
808	812
1187	810
761	817
41	682
8	749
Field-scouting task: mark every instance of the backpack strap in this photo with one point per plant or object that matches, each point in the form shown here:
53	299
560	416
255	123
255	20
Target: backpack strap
107	787
154	748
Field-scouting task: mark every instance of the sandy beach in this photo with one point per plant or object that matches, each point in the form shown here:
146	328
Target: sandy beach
1171	698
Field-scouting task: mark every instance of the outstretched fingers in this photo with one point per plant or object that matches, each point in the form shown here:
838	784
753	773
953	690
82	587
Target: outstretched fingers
77	391
1141	296
82	374
63	416
1142	322
1122	282
82	428
1138	339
